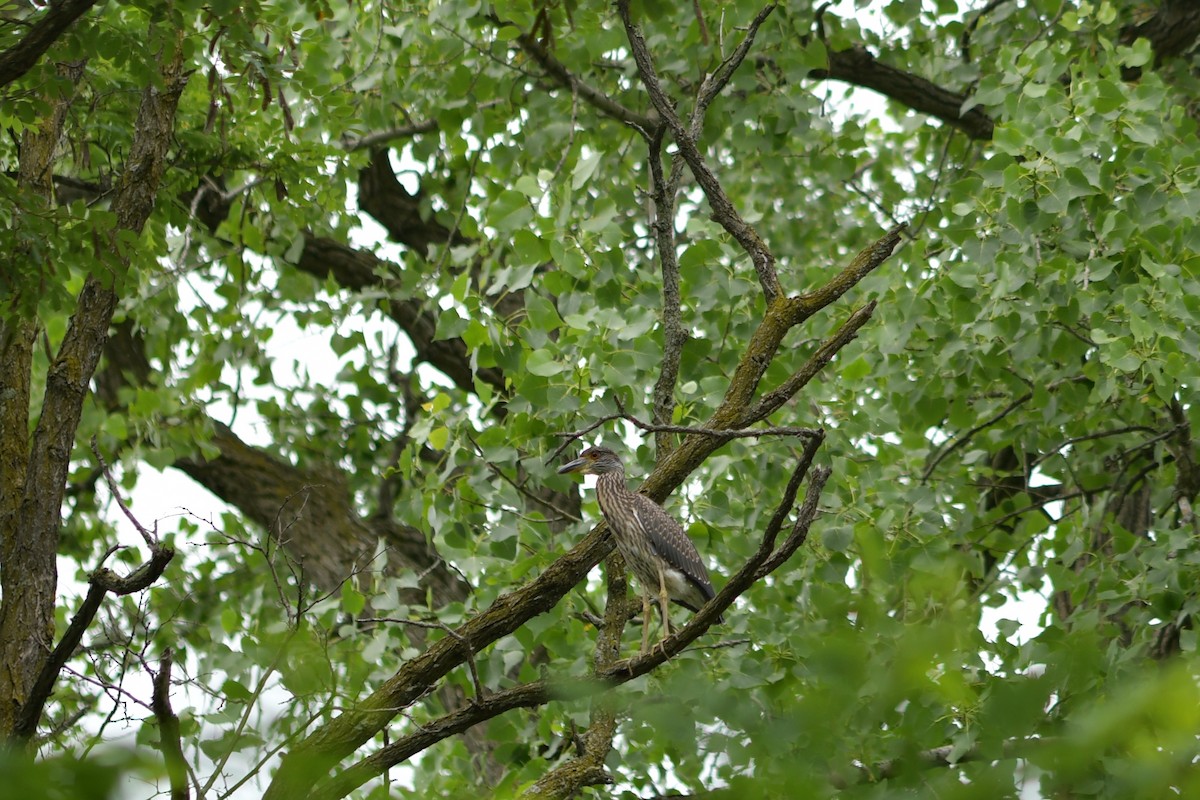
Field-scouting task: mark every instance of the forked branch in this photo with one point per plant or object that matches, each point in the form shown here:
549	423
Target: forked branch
101	582
723	209
766	559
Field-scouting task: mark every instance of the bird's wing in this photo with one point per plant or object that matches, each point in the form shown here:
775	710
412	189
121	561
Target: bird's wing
671	543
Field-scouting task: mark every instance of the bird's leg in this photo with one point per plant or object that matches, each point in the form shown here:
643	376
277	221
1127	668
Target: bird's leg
664	605
645	621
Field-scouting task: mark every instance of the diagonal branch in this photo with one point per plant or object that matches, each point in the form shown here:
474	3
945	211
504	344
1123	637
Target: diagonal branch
862	265
20	58
772	400
593	96
312	759
781	317
968	435
858	66
713	84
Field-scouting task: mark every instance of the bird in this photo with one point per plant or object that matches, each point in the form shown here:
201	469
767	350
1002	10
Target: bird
656	550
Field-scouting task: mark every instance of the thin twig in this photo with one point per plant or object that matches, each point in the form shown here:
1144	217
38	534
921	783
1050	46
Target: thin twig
1089	437
251	705
713	84
271	753
725	434
968	435
528	495
150	538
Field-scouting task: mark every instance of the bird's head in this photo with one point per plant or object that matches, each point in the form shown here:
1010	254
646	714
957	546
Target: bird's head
594	461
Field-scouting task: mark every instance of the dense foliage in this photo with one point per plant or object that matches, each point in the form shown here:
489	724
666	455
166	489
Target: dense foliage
959	239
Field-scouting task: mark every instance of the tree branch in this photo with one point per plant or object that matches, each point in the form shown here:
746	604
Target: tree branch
713	84
724	435
846	333
967	436
859	67
593	96
101	582
664	191
723	210
359	270
862	265
58	16
168	729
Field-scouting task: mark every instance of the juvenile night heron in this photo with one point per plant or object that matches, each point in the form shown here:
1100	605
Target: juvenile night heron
655	548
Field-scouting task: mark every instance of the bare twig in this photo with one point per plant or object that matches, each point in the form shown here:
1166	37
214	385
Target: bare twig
524	492
724	435
102	581
150	538
968	435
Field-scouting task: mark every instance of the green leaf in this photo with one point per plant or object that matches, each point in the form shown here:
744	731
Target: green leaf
438	437
353	601
585	167
543	364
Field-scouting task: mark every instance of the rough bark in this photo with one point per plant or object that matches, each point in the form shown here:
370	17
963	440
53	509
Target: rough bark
30	544
28	573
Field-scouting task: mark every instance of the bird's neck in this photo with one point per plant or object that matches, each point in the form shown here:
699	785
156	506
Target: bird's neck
610	486
611	480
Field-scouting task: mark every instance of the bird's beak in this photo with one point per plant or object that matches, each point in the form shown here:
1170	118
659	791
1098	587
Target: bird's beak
572	466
